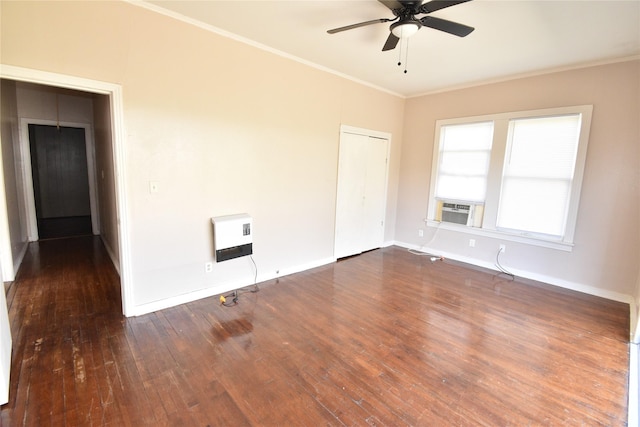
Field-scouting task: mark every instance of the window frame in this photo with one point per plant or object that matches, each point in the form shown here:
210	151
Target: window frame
442	151
496	169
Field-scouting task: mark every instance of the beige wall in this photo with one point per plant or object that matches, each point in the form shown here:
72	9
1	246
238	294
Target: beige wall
222	128
53	104
604	259
13	193
105	176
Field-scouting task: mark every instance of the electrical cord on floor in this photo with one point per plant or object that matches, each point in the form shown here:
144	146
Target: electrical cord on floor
433	258
501	269
234	299
255	276
419	252
224	299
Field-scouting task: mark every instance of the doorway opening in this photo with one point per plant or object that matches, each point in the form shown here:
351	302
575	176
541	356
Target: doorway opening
105	162
60	181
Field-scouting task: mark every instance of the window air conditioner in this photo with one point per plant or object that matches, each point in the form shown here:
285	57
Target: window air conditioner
458	213
455	213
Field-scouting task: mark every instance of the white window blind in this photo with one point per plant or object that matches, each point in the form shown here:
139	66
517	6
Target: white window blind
538	174
465	151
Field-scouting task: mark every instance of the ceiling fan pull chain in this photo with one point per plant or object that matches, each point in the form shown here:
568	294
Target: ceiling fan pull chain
406	56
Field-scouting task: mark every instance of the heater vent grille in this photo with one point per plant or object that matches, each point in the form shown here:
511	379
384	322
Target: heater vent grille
232	236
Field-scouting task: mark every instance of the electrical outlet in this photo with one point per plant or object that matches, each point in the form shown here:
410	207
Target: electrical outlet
503	248
208	267
420	232
472	243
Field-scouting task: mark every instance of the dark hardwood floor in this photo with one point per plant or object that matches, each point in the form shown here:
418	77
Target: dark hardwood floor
386	339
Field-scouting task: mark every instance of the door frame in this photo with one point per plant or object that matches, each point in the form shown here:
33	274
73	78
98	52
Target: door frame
27	173
346	129
114	92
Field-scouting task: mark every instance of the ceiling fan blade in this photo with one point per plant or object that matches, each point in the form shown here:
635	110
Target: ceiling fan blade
434	5
391	4
391	43
446	26
361	24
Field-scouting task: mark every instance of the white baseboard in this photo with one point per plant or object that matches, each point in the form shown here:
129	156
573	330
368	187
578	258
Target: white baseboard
142	309
17	262
389	243
299	268
114	259
603	293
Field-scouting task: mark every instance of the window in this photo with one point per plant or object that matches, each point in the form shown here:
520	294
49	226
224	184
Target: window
538	173
521	171
465	150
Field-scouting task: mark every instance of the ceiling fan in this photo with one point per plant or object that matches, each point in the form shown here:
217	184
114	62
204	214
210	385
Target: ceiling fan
407	24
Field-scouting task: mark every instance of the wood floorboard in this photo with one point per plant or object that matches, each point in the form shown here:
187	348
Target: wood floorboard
386	338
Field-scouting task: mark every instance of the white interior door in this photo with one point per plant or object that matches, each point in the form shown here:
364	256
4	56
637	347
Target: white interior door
361	193
375	194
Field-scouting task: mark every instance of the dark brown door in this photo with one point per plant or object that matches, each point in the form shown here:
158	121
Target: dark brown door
60	181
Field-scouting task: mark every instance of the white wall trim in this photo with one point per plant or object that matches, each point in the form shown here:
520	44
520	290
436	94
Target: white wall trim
114	260
6	258
114	92
222	289
519	76
388	243
500	235
5	347
20	257
366	132
634	386
586	289
27	181
634	330
635	314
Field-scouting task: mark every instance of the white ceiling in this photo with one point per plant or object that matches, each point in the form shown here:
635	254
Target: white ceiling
511	37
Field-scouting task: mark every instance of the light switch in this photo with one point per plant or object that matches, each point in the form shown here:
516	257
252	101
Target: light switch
153	187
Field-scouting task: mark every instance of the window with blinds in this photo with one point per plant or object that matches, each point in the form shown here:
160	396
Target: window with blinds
538	174
465	151
523	169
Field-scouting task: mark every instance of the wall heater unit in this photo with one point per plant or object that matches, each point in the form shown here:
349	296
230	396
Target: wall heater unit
232	236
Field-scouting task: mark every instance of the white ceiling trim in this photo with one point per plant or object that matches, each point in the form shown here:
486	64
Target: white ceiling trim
529	74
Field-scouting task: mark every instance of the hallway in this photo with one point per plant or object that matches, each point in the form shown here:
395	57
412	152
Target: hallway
64	302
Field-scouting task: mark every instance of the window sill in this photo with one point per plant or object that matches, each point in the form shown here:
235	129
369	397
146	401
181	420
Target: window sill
501	235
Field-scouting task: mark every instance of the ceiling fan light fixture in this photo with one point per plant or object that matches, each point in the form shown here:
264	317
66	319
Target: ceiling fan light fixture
405	29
